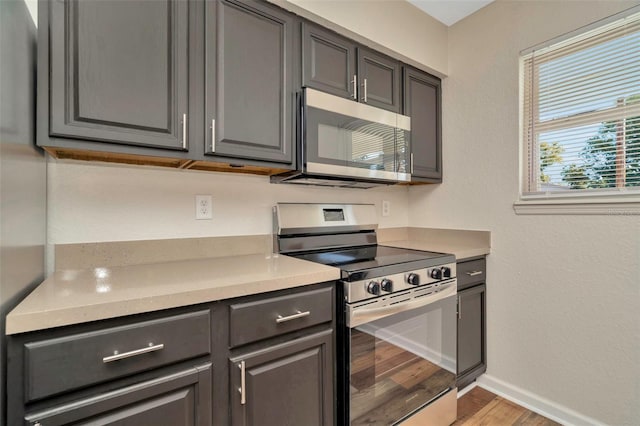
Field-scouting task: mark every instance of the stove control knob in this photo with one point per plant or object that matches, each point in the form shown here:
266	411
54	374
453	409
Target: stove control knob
386	284
436	274
446	272
413	279
373	288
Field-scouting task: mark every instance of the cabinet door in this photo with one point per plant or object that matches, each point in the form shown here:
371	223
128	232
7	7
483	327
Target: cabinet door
379	78
119	72
328	62
250	96
471	332
422	102
178	399
286	384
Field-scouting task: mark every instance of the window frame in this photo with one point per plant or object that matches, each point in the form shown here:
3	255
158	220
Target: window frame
603	201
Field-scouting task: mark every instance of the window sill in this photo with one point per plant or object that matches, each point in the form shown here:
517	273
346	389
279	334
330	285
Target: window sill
627	206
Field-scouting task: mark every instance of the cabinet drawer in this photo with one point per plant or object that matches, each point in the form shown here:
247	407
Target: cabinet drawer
471	273
65	363
182	398
272	316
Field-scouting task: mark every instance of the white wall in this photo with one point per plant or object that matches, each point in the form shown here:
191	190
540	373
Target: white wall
94	202
563	300
32	7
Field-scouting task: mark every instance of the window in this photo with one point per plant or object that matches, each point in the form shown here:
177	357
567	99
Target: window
580	114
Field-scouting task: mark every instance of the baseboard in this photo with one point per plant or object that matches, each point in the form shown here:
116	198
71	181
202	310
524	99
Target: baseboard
536	403
467	389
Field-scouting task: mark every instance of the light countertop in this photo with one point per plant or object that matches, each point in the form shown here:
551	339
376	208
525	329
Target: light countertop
464	244
459	249
74	296
102	285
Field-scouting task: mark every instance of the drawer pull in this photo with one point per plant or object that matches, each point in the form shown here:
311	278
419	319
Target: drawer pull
243	383
474	273
116	356
292	317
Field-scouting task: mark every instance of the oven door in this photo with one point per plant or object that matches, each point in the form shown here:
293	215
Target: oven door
402	360
345	138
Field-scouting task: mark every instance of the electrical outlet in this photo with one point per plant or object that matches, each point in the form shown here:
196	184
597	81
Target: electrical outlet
386	208
204	207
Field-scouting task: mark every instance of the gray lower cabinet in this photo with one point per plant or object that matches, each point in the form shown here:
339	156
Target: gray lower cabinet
148	369
422	102
250	86
281	358
182	398
285	384
472	352
118	73
265	359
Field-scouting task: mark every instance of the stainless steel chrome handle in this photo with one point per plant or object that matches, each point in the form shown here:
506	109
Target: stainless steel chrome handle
213	135
364	86
474	273
345	106
411	163
184	131
117	356
292	317
355	87
363	315
459	308
242	388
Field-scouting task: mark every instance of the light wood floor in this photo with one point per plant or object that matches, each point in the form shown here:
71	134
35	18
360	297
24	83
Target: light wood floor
481	407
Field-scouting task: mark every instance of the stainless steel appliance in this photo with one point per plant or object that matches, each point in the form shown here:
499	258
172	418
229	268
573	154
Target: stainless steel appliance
397	315
346	143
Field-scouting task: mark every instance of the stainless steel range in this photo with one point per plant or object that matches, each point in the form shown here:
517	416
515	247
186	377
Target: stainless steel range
396	315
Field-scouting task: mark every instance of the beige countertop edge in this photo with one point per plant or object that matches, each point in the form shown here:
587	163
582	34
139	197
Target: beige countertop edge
460	251
33	318
44	309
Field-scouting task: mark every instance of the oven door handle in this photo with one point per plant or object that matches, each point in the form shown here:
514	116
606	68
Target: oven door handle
363	314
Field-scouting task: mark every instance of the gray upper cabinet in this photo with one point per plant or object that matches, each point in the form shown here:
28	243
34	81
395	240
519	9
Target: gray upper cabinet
328	61
379	78
208	85
422	102
338	65
250	92
119	72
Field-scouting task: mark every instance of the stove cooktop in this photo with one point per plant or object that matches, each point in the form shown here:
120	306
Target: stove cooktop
369	261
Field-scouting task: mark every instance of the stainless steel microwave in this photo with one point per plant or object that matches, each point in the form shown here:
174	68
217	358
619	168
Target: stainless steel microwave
349	144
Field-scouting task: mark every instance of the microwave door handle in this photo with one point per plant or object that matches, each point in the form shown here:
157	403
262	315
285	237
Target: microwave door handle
364	86
363	315
355	87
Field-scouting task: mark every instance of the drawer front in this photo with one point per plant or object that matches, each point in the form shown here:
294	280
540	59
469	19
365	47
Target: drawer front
471	273
70	362
272	316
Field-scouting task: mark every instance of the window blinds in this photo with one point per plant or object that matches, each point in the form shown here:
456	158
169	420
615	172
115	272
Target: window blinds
581	112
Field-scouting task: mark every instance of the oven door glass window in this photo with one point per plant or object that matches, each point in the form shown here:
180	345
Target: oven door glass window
399	363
